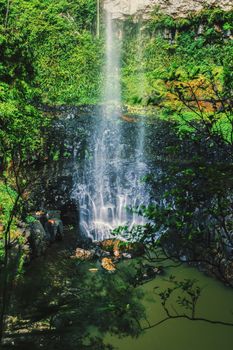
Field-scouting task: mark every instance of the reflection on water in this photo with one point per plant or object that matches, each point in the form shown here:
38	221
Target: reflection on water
60	304
216	303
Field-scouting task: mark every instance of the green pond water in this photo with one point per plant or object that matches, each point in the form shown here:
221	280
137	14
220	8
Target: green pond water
215	303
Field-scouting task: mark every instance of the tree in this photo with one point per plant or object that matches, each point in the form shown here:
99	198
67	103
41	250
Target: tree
21	143
189	219
203	102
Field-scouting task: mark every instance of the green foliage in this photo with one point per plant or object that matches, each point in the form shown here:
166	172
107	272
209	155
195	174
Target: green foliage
21	123
61	295
189	218
30	219
7	198
169	51
65	54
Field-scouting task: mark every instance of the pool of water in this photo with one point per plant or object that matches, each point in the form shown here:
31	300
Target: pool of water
216	303
47	276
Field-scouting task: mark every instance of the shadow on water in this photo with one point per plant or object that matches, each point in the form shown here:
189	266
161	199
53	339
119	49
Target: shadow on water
61	304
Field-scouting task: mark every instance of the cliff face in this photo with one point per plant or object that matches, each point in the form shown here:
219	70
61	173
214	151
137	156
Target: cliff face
175	8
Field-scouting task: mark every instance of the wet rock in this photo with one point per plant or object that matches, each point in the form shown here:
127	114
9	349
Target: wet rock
93	270
54	229
117	248
27	253
108	265
136	249
26	233
100	253
151	271
69	214
200	30
126	255
146	273
61	321
116	252
84	242
229	271
53	214
52	223
83	254
38	239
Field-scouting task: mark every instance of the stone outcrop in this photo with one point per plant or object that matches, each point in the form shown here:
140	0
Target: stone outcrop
40	233
119	248
82	254
38	239
175	8
53	189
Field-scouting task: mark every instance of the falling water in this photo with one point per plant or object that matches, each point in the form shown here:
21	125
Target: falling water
109	181
112	90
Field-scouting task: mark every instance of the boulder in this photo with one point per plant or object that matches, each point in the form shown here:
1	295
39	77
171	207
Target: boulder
84	242
108	265
38	239
117	248
93	270
126	255
100	253
51	221
83	254
54	229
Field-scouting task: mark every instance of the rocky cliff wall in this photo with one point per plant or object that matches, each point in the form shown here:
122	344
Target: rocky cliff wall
175	8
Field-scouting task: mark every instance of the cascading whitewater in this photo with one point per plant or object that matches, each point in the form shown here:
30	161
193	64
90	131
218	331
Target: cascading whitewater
109	181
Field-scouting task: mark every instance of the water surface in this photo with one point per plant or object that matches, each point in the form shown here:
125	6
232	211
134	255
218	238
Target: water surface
216	303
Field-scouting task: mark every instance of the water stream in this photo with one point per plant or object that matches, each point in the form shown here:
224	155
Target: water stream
109	182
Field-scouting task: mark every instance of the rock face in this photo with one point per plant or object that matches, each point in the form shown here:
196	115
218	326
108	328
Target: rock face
120	249
39	234
175	8
53	189
38	239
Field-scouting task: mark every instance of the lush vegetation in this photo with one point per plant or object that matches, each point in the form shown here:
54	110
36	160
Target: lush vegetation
163	48
48	55
7	197
65	298
59	39
46	50
181	70
185	67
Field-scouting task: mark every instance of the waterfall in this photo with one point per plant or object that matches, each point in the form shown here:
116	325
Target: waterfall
112	90
109	180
